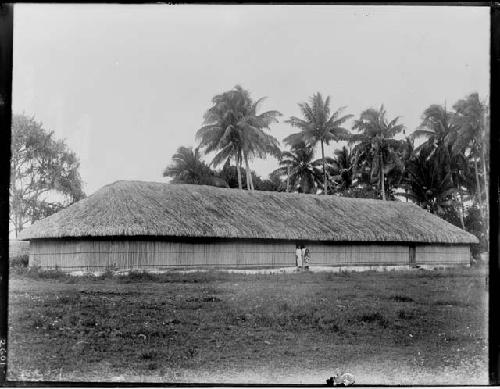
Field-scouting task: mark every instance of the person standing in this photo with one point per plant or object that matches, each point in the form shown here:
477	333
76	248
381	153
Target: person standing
298	256
307	258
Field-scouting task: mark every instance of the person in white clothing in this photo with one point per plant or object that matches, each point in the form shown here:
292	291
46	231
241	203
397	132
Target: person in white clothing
298	256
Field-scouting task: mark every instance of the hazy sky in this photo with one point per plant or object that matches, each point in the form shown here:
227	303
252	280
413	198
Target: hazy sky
125	85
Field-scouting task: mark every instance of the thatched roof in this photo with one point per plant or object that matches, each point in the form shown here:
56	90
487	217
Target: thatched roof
135	208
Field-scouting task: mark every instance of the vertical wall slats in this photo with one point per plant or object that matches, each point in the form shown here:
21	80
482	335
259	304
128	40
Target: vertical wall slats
94	255
442	254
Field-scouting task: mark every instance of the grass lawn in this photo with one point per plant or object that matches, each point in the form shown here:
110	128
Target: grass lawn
405	327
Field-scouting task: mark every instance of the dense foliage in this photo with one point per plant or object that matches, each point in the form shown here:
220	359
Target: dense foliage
442	165
318	126
188	168
44	173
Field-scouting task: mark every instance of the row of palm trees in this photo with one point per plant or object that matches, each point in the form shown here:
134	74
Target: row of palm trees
448	167
375	155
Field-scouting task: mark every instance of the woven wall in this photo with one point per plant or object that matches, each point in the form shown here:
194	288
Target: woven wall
360	254
98	255
443	255
94	255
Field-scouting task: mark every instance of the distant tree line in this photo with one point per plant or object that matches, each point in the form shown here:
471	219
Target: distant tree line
445	174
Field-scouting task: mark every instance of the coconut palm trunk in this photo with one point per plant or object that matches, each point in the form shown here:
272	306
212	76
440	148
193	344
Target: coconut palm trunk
485	179
248	174
486	188
288	179
19	226
462	210
305	185
483	160
461	199
382	177
478	190
238	169
324	169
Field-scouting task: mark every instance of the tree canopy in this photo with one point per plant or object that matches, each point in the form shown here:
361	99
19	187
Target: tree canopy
376	146
44	173
233	129
318	126
188	168
300	168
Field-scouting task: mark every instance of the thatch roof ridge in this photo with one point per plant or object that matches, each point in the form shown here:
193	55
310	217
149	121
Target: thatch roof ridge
146	208
355	200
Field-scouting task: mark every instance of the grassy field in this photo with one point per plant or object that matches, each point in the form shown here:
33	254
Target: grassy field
413	327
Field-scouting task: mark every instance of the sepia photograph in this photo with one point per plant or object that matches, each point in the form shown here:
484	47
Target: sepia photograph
249	194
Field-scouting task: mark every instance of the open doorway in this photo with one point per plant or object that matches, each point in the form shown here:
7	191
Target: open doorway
413	256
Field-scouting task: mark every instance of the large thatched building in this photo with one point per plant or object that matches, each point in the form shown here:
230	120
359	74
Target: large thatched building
148	225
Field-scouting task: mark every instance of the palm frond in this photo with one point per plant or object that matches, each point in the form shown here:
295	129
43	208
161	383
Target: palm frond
294	139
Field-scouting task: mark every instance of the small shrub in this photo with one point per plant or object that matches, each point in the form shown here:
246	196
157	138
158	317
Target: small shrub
371	317
107	275
147	355
137	276
405	315
36	273
442	302
174	277
72	280
109	272
33	271
55	274
20	261
37	323
475	250
209	299
68	299
152	366
191	352
88	323
328	324
452	303
375	317
402	299
73	320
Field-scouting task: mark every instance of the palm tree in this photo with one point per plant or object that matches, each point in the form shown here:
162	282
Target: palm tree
342	168
407	154
188	168
470	136
233	129
376	146
318	126
428	181
300	168
437	126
